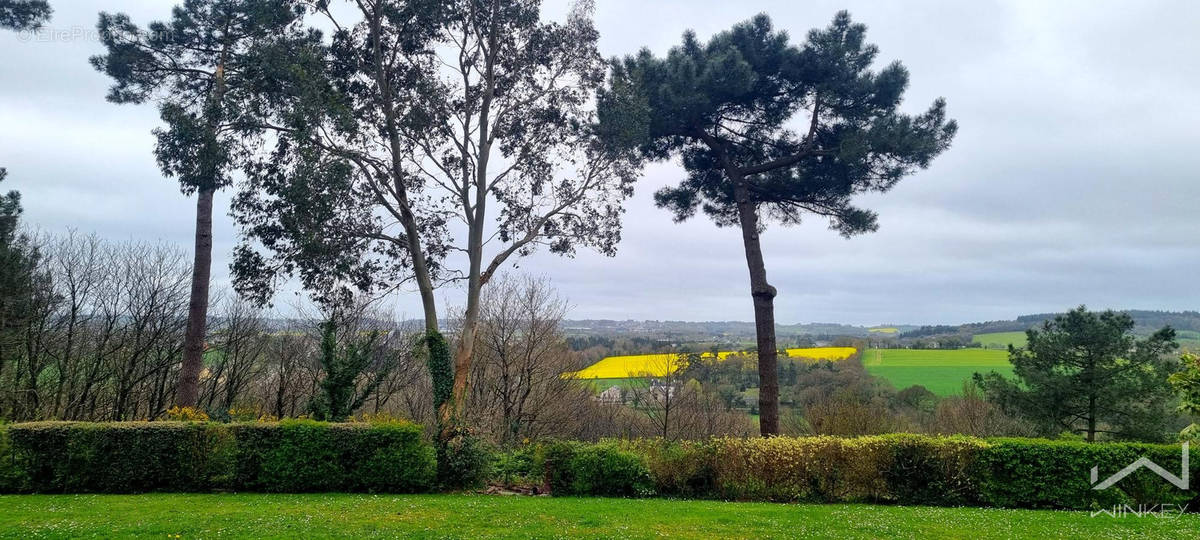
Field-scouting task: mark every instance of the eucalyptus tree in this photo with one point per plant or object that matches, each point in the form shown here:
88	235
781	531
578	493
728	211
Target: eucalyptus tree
768	131
21	15
418	124
200	67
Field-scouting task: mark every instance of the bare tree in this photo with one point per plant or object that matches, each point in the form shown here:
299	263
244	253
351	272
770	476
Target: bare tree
105	332
519	389
658	398
237	351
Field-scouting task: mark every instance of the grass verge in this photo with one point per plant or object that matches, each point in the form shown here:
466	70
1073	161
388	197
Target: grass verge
481	516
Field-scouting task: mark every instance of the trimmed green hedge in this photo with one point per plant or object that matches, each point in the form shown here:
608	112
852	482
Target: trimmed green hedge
898	469
289	456
299	456
1055	474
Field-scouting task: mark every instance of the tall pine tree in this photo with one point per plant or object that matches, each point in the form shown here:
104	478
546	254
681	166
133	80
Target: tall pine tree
771	131
201	66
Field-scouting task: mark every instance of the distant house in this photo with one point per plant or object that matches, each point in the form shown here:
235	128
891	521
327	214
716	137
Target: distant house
612	396
661	391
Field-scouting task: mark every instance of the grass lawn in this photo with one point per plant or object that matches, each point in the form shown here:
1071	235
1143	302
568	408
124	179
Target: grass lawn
483	516
1000	340
941	371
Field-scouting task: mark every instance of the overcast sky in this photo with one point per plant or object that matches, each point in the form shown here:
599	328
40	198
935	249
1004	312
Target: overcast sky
1072	179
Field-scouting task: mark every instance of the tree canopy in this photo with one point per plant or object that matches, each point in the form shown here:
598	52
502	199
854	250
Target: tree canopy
22	15
1086	372
808	126
419	119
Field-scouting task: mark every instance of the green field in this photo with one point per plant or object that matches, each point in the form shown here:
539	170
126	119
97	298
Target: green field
1000	340
481	516
940	371
600	385
1188	340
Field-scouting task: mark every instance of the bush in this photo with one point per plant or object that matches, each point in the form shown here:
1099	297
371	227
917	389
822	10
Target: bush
393	459
928	470
1037	473
463	462
521	467
602	469
10	478
684	469
293	456
786	469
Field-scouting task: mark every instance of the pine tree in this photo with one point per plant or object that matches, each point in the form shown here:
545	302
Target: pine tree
203	68
727	108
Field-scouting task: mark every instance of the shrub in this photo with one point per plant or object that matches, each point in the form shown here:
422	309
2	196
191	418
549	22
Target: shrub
520	467
464	461
392	458
684	468
928	470
298	455
186	414
291	456
10	478
596	469
819	469
1036	473
306	455
897	468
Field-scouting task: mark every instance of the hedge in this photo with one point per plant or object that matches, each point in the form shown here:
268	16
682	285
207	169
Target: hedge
289	456
895	469
300	456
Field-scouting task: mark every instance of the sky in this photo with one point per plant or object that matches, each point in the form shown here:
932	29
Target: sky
1072	179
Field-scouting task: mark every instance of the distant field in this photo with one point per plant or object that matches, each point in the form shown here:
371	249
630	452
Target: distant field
658	365
887	330
941	371
1000	340
1188	340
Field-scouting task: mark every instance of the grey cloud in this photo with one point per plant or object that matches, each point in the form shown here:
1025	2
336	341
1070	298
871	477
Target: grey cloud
1072	179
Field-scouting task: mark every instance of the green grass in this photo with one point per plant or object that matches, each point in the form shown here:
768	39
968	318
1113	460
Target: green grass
600	385
1000	340
942	372
481	516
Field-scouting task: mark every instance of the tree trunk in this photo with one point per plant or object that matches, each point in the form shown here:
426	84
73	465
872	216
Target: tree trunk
1091	421
764	312
193	341
452	410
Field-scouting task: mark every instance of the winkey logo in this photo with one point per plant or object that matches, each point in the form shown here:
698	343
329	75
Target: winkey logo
1180	481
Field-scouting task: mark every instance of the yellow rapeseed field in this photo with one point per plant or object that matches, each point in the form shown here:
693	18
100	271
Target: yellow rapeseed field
823	353
658	365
